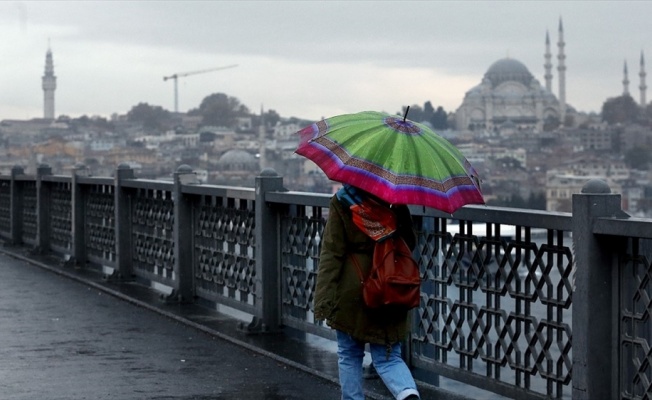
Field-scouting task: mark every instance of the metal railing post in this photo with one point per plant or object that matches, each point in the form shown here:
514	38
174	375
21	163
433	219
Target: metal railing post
122	227
78	256
595	327
16	206
43	201
268	293
183	234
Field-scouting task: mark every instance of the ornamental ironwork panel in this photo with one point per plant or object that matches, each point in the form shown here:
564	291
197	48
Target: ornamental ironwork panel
302	228
495	306
5	206
635	325
29	210
224	249
152	226
100	222
61	215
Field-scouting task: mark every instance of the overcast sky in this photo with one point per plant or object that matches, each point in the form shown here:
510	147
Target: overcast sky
308	59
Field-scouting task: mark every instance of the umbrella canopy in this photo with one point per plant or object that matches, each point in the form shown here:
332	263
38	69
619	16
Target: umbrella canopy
398	160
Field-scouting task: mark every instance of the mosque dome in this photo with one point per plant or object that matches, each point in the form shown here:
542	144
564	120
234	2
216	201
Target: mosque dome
236	156
508	69
238	160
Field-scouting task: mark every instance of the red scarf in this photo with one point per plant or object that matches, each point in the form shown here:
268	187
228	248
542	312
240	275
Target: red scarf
373	218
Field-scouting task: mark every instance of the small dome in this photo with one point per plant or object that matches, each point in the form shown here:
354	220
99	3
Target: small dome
236	156
475	91
506	70
236	160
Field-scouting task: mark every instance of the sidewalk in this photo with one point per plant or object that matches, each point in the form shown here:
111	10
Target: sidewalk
100	340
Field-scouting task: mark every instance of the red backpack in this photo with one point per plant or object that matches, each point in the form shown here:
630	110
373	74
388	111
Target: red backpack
394	278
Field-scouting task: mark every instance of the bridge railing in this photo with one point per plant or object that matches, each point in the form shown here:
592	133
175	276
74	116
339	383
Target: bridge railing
521	303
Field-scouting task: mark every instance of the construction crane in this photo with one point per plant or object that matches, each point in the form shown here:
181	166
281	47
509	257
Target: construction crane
184	74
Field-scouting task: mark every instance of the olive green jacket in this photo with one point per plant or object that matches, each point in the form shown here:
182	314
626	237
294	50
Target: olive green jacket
338	293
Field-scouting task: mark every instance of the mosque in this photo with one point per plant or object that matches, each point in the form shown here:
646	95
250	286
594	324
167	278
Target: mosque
510	98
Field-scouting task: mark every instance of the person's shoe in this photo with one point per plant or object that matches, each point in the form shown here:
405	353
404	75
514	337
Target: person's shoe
412	397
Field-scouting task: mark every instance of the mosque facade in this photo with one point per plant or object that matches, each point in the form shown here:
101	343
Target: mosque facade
508	97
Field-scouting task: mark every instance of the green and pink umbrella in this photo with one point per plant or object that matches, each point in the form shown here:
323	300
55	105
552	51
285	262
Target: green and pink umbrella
398	160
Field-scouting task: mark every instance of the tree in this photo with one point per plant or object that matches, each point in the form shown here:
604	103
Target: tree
207	137
91	162
537	201
428	112
270	117
647	115
439	119
153	118
569	121
415	113
102	123
81	122
621	109
638	158
218	109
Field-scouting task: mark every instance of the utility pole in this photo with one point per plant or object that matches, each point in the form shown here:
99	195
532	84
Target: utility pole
176	77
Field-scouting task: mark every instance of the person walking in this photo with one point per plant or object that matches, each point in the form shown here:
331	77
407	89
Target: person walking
349	234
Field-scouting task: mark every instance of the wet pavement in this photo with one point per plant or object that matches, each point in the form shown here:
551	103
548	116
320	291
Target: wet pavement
63	340
67	333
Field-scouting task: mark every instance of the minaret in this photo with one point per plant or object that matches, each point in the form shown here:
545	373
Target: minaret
625	80
561	68
548	64
49	85
642	86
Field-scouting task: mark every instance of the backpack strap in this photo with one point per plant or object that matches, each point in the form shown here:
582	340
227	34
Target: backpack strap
357	267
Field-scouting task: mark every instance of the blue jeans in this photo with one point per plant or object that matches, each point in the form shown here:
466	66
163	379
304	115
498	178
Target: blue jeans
390	367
